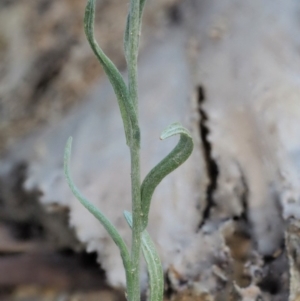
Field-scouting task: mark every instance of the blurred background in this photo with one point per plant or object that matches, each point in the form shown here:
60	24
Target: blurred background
228	70
46	69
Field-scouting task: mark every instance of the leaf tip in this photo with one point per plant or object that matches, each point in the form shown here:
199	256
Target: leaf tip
67	153
70	139
171	130
69	144
128	217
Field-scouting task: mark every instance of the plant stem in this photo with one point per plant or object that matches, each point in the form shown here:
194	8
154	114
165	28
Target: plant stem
136	229
134	28
133	40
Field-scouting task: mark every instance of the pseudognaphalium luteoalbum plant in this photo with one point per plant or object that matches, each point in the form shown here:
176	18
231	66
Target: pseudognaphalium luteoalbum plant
127	97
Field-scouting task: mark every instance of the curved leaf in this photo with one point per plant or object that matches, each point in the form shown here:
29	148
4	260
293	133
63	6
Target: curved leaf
155	270
175	158
109	227
128	112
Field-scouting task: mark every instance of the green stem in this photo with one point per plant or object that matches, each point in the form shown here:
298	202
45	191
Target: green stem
136	229
133	45
133	41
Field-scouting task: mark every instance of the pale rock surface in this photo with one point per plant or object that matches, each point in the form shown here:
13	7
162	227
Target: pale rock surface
245	57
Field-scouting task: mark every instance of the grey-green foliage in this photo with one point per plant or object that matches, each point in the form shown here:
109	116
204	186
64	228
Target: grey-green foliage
176	157
156	274
109	227
141	193
127	109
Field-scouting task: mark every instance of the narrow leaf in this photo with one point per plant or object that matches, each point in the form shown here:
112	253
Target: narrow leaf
112	231
176	157
155	270
126	35
127	110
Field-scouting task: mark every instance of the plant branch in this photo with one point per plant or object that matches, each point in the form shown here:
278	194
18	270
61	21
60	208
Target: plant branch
109	227
132	55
